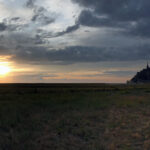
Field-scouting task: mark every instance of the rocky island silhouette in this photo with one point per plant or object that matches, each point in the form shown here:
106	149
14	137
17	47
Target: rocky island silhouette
141	77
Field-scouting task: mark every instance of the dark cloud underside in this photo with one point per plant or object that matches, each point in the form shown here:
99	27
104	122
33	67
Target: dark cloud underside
33	41
131	15
77	54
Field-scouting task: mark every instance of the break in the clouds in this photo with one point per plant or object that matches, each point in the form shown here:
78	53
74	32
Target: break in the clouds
75	31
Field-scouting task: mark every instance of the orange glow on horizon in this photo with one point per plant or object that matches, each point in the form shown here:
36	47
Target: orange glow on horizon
5	66
4	70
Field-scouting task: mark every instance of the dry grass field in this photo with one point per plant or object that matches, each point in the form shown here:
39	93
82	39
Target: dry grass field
74	117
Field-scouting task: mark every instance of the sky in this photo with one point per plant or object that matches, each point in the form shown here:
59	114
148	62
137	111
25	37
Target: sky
65	41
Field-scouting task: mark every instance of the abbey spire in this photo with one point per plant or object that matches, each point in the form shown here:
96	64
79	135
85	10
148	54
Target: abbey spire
148	65
142	77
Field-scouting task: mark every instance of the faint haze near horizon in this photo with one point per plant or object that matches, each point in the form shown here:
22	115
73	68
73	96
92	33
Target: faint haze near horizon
73	40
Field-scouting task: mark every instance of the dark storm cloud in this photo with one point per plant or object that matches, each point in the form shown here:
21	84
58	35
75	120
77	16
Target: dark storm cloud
140	29
30	3
68	30
32	47
75	54
41	15
15	18
88	18
12	24
8	27
38	40
3	26
131	15
17	42
44	19
123	10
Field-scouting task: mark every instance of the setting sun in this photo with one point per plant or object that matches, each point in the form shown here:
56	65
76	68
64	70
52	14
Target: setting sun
4	69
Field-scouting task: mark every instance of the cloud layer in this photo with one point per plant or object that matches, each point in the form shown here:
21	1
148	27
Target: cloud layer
132	16
34	34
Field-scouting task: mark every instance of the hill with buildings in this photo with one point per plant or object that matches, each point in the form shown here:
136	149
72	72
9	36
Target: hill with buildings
142	77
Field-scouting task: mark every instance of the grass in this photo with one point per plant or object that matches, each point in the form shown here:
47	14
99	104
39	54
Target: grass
74	117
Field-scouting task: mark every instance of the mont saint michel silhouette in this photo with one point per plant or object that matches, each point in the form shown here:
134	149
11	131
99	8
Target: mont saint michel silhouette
142	77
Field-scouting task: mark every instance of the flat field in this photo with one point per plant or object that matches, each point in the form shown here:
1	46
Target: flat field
74	117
